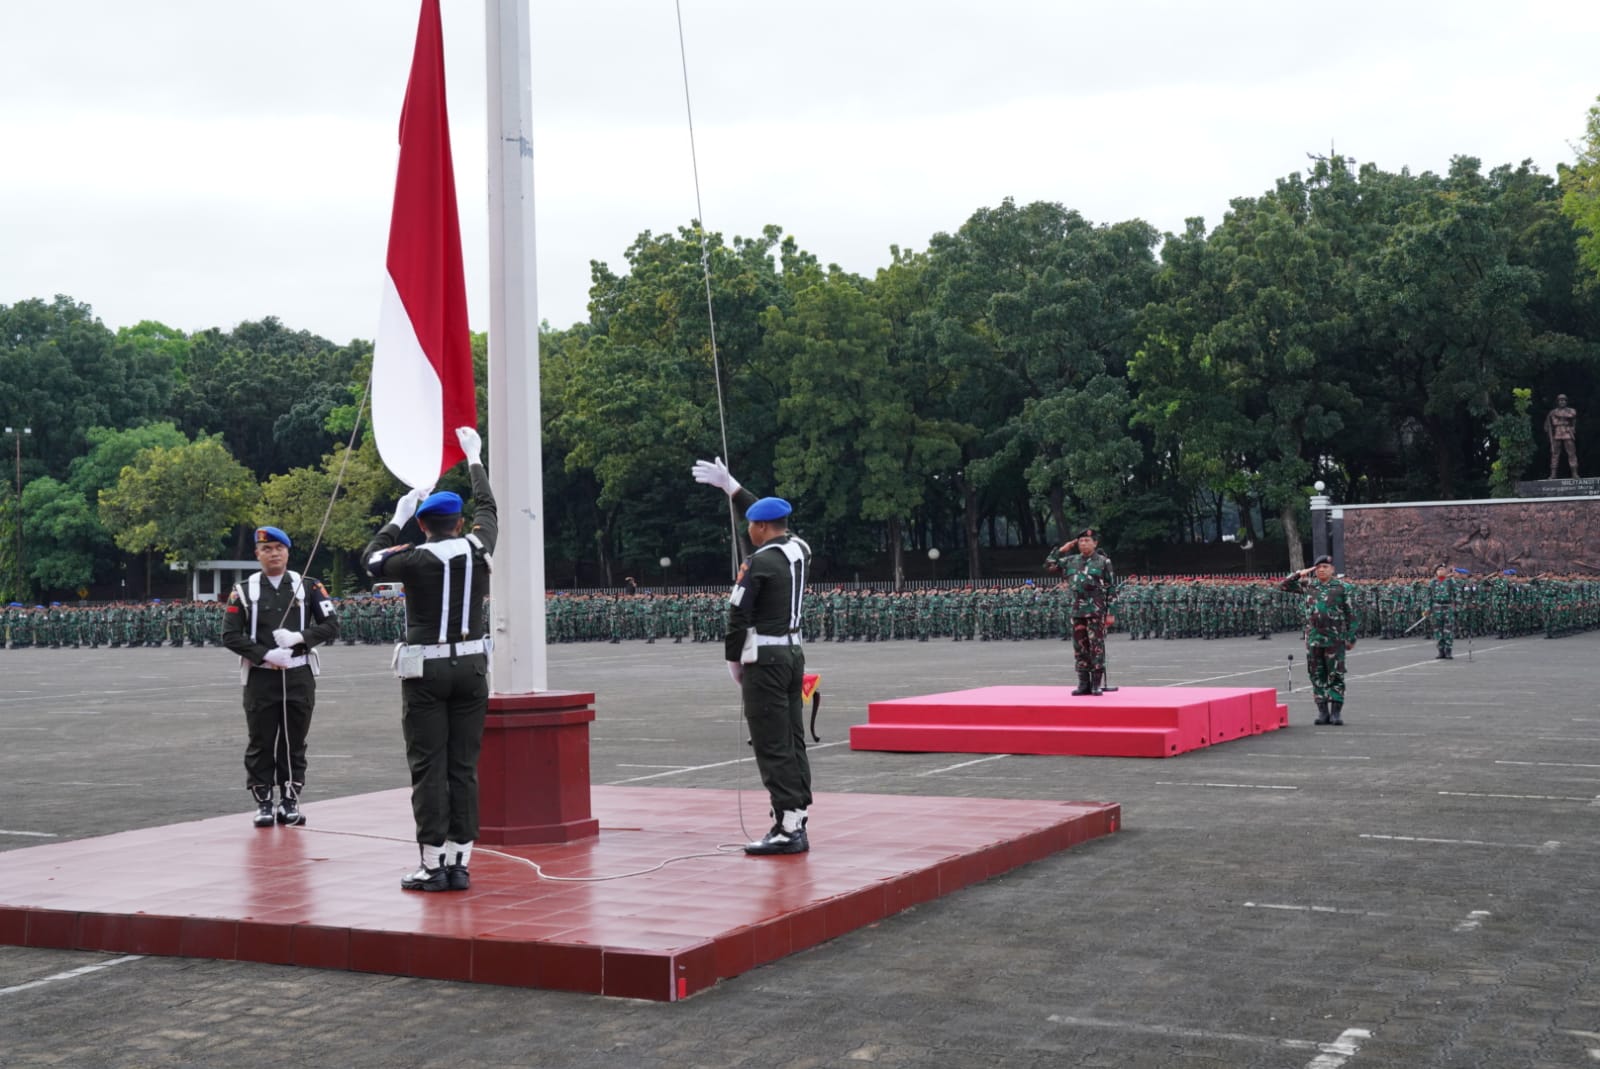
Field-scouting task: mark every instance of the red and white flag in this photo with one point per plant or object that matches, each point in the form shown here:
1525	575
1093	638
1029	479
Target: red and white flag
422	387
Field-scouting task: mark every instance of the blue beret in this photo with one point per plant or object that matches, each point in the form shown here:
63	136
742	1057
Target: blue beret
272	534
443	503
768	508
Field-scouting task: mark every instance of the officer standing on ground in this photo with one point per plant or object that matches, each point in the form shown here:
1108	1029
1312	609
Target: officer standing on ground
1088	576
444	663
1442	607
765	657
1331	624
272	621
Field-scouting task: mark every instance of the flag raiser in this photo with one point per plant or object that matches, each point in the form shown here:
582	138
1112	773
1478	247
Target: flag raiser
422	387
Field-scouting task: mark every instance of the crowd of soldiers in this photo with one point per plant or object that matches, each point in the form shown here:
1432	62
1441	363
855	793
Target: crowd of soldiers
1166	607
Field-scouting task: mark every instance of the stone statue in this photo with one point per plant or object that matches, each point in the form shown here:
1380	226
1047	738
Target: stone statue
1561	427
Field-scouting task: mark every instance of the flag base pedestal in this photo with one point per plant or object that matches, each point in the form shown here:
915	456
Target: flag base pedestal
533	773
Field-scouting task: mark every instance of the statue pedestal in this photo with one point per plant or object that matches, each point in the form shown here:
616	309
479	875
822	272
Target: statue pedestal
1559	488
533	773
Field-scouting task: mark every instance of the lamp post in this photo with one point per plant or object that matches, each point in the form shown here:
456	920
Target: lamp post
666	562
933	562
18	432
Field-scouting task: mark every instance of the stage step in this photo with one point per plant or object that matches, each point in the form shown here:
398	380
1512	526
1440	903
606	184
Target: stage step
1129	722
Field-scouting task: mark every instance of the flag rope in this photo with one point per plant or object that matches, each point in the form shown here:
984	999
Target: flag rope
716	366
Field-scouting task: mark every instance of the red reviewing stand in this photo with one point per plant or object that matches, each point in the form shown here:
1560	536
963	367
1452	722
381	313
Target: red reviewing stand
1129	722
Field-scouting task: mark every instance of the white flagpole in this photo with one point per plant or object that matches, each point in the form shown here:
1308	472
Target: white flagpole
519	660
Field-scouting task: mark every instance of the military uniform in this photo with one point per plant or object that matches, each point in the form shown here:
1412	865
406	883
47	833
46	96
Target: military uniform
444	707
1442	610
1090	582
763	647
280	685
1331	624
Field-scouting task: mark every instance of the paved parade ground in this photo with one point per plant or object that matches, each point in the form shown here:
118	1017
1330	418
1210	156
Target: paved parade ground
1413	889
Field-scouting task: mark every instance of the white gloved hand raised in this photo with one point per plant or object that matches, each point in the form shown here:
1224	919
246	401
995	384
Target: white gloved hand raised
278	658
407	506
736	672
471	444
715	473
286	639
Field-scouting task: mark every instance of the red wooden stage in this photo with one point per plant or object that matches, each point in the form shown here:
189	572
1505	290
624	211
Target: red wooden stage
1130	722
327	895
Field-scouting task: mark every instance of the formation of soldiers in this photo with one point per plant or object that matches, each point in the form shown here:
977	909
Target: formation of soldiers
1167	607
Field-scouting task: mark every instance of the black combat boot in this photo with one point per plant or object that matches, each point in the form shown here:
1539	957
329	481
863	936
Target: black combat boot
263	799
1333	714
1096	683
289	808
1322	712
788	836
1083	685
431	874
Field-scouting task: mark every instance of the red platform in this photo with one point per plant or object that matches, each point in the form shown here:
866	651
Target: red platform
327	895
1129	722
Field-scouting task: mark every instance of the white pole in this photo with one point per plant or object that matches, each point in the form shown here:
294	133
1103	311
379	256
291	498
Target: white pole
518	664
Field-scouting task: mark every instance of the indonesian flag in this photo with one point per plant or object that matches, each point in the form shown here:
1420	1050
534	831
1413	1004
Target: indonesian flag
422	387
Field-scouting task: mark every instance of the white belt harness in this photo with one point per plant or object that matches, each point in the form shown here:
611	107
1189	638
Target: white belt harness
407	658
252	590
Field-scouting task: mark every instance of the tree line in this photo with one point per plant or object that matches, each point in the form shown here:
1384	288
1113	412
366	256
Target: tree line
1398	336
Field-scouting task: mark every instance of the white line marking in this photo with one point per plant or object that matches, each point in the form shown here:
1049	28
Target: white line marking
964	764
618	738
1316	909
1522	797
1547	847
620	765
70	974
1546	764
1566	738
1307	757
34	834
1244	786
717	764
1181	1033
1340	1050
1473	921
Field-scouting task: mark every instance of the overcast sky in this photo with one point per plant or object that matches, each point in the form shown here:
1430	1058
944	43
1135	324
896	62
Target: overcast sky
202	162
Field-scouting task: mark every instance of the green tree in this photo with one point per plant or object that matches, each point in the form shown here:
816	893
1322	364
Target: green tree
1580	194
1514	446
60	534
179	501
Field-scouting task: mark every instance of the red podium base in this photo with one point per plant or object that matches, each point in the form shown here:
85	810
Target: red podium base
533	773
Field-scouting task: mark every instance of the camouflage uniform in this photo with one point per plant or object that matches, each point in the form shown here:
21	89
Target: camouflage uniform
1331	623
1442	608
1090	582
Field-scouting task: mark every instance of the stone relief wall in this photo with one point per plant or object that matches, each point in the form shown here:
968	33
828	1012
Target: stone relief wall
1531	536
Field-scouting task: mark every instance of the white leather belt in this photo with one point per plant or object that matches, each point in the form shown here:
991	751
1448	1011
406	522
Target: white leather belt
453	649
294	662
778	640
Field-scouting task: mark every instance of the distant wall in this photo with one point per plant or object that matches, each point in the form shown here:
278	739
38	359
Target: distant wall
1557	534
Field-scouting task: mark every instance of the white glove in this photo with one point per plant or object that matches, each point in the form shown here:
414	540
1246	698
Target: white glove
471	444
286	639
278	658
736	671
407	506
715	473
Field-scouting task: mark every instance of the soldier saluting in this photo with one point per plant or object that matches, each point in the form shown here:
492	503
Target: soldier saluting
1331	624
765	657
1090	581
